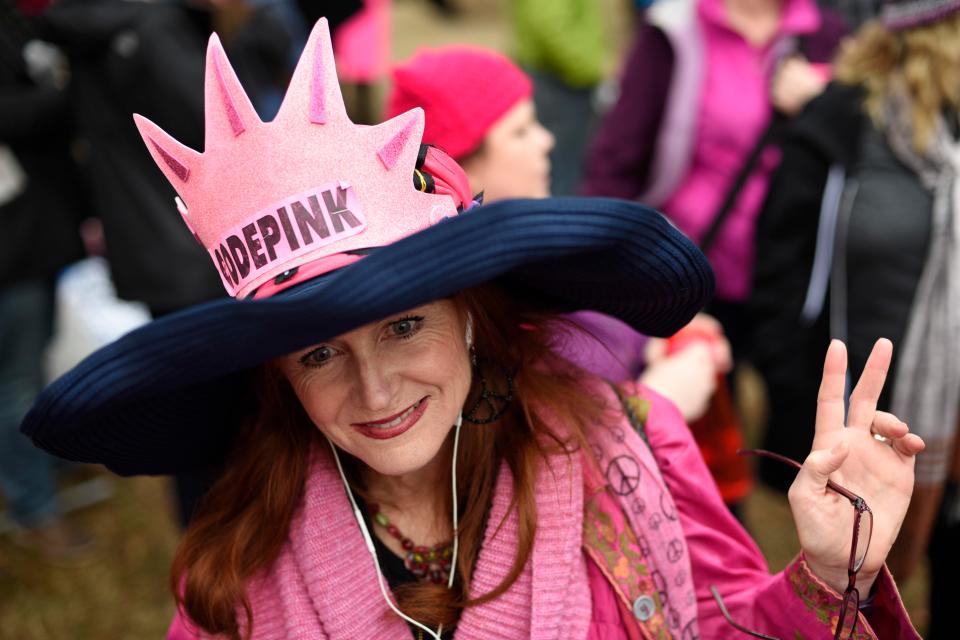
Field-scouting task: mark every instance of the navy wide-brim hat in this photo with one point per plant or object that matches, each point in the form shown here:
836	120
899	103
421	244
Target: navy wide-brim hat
318	226
168	396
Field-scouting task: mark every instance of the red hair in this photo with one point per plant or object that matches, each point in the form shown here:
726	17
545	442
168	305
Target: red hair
242	524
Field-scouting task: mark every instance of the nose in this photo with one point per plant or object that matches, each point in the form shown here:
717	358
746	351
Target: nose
549	141
375	386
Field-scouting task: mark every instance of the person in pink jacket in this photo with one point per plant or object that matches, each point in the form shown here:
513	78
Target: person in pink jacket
405	453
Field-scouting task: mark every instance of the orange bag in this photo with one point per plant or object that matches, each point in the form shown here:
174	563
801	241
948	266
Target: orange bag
718	432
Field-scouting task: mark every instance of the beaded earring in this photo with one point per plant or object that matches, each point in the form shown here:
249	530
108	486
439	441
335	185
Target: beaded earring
491	402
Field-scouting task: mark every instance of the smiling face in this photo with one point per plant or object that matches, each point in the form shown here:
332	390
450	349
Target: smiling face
514	160
389	392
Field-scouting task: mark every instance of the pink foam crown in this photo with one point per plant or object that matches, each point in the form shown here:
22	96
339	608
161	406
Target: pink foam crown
267	197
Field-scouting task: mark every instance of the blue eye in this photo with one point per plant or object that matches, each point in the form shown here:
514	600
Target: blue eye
318	357
406	327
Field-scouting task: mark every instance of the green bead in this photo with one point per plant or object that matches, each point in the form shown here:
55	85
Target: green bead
381	520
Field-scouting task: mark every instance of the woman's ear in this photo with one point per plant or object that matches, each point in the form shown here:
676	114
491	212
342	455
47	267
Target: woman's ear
474	165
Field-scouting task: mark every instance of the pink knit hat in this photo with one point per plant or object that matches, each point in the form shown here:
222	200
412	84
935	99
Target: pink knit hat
462	90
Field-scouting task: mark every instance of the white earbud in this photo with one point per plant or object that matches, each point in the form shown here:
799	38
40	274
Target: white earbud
368	541
368	538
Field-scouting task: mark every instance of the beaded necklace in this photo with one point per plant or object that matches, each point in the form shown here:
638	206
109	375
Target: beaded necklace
427	564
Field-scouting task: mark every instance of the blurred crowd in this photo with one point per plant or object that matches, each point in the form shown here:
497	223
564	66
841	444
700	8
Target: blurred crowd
811	150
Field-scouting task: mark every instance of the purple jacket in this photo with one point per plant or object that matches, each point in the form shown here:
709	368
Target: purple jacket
606	347
662	144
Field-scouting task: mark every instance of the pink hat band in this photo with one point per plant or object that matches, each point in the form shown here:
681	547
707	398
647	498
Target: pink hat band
285	231
435	172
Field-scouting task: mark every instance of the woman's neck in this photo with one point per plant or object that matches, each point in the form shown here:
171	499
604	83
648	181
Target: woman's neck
758	21
416	502
410	490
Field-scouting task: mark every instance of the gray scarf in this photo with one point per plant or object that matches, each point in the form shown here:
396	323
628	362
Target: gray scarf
926	393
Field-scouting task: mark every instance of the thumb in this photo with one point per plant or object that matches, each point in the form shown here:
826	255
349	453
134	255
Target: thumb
820	464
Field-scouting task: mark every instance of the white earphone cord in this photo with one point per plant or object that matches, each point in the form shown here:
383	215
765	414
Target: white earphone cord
369	540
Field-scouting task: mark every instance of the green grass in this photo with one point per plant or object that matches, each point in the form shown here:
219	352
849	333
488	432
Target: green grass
119	592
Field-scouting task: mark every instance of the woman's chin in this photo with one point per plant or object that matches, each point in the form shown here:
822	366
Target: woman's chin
542	188
408	458
397	465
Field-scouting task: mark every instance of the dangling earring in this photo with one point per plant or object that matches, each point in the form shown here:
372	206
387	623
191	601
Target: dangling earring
491	403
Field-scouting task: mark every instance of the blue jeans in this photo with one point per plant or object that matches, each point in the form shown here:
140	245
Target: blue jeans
27	474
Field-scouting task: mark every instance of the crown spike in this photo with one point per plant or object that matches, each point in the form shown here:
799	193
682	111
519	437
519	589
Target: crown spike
179	169
314	92
318	98
236	123
393	149
228	109
173	158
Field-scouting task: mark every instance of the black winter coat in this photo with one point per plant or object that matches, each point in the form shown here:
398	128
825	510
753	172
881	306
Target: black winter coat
147	58
873	262
38	226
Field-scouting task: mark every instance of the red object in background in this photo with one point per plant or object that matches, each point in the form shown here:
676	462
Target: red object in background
33	7
718	432
824	70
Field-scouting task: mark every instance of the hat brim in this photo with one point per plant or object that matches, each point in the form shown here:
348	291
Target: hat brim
167	397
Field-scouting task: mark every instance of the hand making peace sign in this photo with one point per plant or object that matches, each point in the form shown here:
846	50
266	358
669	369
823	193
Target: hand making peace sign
880	472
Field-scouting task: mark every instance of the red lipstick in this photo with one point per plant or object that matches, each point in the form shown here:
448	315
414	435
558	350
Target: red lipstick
405	421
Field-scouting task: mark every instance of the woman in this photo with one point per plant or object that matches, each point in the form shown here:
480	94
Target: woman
478	108
874	156
380	338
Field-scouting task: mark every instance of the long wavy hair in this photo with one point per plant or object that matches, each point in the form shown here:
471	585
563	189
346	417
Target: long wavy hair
243	522
925	60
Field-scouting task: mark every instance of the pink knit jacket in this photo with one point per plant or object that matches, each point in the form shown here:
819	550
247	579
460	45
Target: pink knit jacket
323	585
